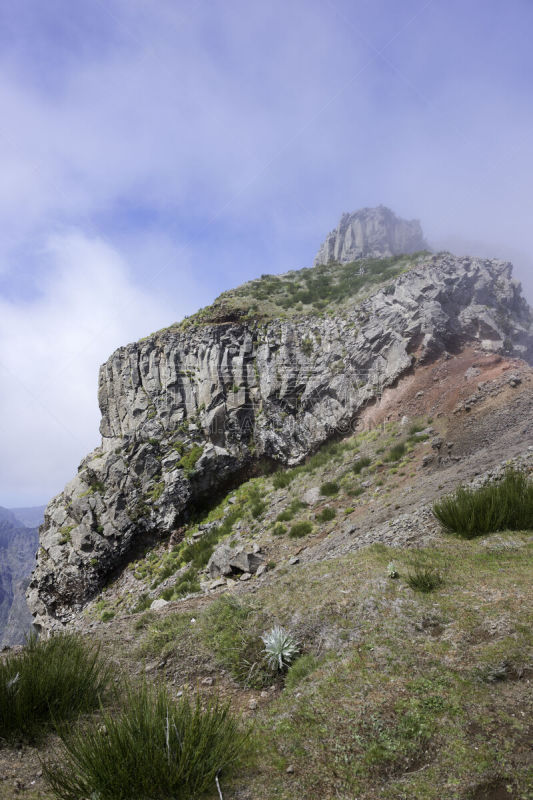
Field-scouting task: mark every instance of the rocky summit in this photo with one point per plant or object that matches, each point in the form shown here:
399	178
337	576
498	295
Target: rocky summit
199	407
371	233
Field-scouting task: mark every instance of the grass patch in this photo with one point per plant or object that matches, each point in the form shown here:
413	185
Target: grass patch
279	529
288	513
361	463
300	529
355	491
154	748
396	452
326	515
164	634
300	669
507	505
187	583
188	462
283	478
50	681
424	578
230	629
329	489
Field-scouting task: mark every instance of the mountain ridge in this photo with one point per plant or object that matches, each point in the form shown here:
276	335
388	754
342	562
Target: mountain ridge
191	408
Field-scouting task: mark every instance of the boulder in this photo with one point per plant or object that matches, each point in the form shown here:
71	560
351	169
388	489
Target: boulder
311	496
158	604
226	561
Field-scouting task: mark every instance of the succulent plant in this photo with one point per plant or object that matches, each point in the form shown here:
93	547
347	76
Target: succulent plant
392	571
281	648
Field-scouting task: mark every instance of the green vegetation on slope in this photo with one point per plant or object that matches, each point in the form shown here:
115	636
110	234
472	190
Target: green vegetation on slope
507	505
397	694
48	682
153	748
306	291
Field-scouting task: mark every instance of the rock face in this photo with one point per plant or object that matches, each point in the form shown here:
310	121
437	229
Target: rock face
371	233
18	546
185	412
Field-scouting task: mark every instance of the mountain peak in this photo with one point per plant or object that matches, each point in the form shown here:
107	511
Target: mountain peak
371	232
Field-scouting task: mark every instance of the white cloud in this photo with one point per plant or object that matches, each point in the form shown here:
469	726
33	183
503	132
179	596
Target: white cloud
208	143
50	351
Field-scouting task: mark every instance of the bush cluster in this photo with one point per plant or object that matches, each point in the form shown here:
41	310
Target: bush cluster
153	748
48	682
507	505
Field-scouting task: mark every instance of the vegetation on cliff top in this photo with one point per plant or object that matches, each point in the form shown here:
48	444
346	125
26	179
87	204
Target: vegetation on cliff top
308	291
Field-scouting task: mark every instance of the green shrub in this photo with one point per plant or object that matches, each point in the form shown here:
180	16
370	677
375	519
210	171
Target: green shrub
156	491
396	452
154	748
361	463
164	633
187	583
356	491
188	462
329	489
507	505
326	514
258	509
300	669
279	529
143	603
145	620
287	514
230	629
49	681
424	579
300	529
107	615
307	346
199	551
283	478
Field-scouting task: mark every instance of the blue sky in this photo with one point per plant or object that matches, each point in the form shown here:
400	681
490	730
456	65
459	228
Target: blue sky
155	153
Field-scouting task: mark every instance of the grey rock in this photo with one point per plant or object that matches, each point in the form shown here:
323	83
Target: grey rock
472	372
371	232
158	604
311	496
230	560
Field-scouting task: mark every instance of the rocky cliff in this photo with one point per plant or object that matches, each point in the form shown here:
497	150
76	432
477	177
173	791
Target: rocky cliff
371	232
194	407
18	545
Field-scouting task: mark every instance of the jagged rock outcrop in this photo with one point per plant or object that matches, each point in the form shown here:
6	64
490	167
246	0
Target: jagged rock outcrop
228	560
18	545
185	411
371	233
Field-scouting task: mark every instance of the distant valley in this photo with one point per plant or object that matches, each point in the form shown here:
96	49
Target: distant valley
18	545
